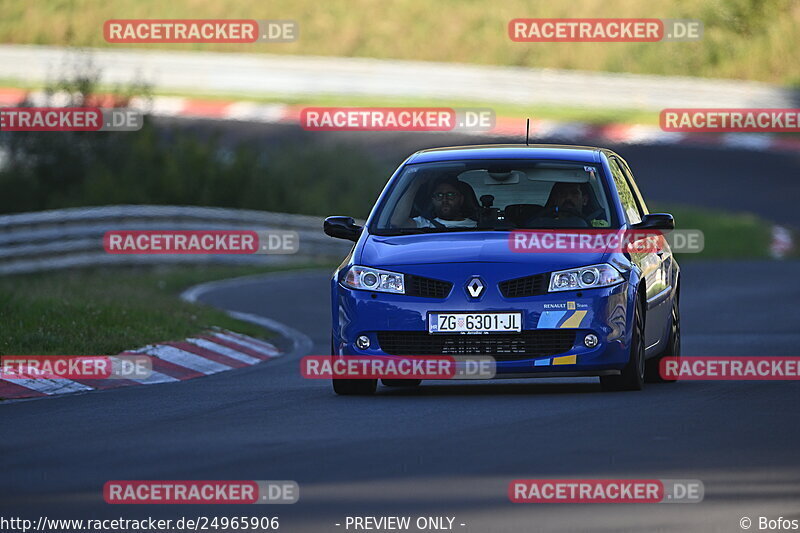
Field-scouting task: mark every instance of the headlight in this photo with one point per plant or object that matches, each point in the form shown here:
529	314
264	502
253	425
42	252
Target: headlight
373	279
588	277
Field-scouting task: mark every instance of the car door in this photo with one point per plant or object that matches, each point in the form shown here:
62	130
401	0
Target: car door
655	266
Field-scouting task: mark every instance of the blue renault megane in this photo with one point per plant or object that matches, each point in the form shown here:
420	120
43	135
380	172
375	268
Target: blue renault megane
433	271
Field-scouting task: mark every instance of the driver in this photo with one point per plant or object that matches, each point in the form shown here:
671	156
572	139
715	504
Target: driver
568	199
565	205
447	200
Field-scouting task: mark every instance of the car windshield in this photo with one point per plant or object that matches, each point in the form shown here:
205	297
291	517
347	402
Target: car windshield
494	195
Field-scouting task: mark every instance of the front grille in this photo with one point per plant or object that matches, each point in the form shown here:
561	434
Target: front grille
427	287
527	286
503	346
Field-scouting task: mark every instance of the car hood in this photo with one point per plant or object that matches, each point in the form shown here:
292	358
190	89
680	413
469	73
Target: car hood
463	247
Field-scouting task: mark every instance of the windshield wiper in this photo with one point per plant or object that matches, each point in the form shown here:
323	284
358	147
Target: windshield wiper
412	231
389	232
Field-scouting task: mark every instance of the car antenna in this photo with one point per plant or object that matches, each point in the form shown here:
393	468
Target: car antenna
527	130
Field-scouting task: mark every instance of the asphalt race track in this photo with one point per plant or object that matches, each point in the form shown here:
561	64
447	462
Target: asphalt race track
448	449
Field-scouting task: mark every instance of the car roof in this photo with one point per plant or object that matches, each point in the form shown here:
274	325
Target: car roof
586	154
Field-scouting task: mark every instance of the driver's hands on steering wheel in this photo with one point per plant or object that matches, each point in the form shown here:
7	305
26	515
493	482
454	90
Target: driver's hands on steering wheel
561	212
560	218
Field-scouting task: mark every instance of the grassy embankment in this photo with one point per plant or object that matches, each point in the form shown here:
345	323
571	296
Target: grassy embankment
743	39
106	311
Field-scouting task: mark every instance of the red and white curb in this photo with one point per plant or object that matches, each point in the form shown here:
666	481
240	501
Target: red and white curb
167	106
210	353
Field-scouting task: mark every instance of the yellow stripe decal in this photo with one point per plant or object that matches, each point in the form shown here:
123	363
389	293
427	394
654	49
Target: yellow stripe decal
565	360
575	320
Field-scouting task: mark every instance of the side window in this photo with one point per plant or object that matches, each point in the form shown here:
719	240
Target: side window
634	188
625	194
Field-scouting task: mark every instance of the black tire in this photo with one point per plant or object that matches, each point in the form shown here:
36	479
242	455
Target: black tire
353	387
401	382
673	348
632	376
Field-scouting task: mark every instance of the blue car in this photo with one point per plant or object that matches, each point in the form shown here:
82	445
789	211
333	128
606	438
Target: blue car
434	271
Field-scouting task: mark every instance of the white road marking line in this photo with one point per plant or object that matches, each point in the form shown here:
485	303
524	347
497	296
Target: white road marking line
224	350
265	346
259	347
155	377
301	343
50	386
186	359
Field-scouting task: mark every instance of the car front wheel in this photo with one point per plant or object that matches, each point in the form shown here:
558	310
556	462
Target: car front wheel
401	382
355	387
673	348
632	376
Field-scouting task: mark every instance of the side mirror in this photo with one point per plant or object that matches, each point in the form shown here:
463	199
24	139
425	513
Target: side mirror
342	228
656	221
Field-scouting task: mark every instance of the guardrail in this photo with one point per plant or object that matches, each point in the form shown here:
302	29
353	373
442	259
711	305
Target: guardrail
64	238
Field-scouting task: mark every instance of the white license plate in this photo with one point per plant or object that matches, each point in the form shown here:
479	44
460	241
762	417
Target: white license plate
475	322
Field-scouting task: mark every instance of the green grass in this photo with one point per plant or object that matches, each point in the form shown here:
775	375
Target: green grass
727	235
743	39
104	311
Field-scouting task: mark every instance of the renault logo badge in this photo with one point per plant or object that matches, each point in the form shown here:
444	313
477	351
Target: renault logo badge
475	287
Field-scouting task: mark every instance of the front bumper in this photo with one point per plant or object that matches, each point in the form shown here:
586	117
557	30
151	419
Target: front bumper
604	312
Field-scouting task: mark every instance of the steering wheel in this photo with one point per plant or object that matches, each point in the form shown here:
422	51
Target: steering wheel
556	212
594	214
